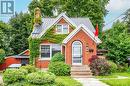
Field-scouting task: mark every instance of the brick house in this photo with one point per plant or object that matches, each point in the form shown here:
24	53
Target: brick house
78	44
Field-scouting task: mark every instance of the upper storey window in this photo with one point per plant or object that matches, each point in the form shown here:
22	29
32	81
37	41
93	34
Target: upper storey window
62	29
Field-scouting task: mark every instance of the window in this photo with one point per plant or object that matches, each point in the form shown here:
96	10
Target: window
59	29
55	49
47	51
62	29
65	28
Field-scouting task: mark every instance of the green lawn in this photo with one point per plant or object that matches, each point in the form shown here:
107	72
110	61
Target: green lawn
68	81
113	81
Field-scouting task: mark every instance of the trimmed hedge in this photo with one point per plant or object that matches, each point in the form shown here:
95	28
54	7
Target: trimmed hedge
59	68
14	75
58	57
40	78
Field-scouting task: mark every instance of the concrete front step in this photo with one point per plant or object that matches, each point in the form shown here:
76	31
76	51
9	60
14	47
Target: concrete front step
82	76
81	72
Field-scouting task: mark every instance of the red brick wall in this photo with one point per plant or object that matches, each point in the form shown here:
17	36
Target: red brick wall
81	36
42	63
85	40
45	63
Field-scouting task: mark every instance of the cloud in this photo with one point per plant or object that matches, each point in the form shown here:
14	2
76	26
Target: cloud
117	5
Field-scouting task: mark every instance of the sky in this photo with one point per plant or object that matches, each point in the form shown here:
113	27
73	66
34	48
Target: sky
115	8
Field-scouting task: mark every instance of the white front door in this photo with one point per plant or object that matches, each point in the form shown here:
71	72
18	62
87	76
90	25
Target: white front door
76	53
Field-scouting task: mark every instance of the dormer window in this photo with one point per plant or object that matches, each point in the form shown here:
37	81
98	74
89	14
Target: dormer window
62	29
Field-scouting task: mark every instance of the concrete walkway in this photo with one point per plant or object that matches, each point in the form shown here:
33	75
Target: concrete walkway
1	81
90	82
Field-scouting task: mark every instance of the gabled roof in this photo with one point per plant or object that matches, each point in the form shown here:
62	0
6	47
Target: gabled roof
24	54
39	30
86	30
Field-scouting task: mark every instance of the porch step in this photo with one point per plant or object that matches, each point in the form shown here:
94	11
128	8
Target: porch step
81	72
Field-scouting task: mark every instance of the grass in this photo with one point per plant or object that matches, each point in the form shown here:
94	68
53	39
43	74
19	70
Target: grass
115	75
115	81
68	81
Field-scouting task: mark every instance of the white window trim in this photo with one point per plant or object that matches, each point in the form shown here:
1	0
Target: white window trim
50	52
62	29
76	54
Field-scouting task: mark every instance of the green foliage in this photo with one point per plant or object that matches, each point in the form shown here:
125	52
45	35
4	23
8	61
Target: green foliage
127	19
52	37
13	75
5	37
113	66
2	55
45	6
73	8
58	57
34	49
67	81
29	68
122	68
117	42
59	68
41	78
37	18
22	25
100	67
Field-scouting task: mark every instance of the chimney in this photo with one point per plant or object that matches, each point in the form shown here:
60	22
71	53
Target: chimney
37	16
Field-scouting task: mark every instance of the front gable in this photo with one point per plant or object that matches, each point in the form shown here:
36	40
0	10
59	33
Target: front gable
87	32
61	19
51	34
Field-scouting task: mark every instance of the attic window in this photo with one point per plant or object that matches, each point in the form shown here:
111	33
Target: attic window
62	29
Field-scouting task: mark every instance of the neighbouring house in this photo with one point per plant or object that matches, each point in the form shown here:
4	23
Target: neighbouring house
73	37
20	59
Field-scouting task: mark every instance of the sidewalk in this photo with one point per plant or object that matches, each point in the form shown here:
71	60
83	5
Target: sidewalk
1	81
90	82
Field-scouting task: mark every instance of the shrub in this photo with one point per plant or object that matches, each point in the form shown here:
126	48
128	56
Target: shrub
59	68
93	58
29	68
2	56
58	57
100	67
41	78
14	75
113	66
122	68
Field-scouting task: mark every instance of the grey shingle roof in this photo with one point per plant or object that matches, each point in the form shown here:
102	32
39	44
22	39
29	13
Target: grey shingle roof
48	21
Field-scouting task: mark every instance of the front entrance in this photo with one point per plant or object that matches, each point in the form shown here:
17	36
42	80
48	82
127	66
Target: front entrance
76	53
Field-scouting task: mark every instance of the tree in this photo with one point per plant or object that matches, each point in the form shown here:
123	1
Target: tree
5	37
127	19
22	27
2	55
117	42
45	6
94	9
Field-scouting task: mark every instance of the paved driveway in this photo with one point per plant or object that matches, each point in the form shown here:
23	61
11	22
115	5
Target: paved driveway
90	82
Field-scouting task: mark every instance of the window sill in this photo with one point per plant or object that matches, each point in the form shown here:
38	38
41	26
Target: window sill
44	59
